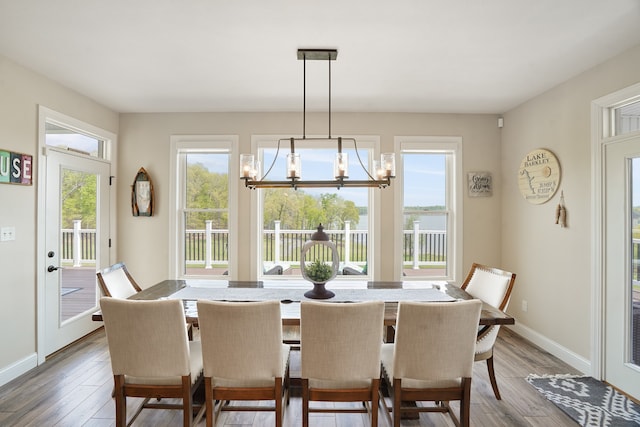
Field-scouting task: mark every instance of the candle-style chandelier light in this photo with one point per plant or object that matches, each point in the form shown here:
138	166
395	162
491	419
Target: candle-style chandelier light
383	169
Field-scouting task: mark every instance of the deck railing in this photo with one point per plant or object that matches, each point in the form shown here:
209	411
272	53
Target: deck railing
210	247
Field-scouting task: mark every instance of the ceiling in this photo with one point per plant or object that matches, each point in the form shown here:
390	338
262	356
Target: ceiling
450	56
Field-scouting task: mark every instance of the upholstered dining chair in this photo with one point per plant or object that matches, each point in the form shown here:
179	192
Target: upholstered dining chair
115	281
243	356
493	286
431	358
151	356
340	355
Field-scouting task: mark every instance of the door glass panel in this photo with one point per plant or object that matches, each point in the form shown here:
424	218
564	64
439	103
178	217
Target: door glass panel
78	194
635	262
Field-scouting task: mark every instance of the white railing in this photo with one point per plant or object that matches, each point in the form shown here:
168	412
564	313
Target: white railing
210	246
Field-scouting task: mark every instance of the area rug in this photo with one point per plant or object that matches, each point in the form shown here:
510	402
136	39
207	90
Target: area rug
588	401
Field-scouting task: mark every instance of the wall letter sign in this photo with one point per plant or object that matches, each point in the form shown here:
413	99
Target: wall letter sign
15	168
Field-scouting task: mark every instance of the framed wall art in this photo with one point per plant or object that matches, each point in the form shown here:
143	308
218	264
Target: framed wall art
479	184
539	176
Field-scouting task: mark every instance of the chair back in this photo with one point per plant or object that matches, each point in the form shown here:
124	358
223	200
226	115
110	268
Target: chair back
490	285
146	338
435	341
340	342
241	341
115	281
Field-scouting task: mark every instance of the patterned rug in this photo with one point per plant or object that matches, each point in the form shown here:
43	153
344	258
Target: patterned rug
588	401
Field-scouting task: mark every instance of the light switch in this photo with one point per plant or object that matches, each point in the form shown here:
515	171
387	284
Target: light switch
7	234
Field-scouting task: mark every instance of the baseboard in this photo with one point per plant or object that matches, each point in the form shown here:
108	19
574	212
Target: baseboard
18	368
562	353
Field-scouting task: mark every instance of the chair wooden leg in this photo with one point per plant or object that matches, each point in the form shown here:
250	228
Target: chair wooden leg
187	401
120	400
492	378
375	389
278	401
305	402
210	404
465	402
397	402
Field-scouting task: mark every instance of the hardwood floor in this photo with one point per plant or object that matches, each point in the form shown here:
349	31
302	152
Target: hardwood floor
73	388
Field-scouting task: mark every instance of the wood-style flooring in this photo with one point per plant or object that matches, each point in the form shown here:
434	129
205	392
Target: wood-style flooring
74	387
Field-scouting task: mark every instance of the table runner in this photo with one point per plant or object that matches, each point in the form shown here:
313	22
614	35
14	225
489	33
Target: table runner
297	294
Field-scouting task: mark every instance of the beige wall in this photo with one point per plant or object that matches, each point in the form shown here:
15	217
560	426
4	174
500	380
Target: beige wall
554	264
21	91
145	141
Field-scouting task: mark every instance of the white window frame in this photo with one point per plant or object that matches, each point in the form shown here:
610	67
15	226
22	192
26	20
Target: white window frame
369	143
433	144
183	144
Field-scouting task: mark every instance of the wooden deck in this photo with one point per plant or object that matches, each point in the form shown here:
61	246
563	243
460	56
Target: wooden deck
81	285
73	388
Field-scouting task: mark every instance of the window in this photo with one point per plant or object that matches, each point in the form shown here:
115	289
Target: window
204	243
626	118
428	244
288	217
65	137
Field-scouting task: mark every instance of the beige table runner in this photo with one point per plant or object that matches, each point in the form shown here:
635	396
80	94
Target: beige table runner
297	294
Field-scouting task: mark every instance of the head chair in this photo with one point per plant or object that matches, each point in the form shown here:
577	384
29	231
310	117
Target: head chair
493	286
115	281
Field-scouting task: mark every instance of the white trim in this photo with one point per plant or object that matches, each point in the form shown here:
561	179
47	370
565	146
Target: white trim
13	371
445	144
562	353
202	143
600	131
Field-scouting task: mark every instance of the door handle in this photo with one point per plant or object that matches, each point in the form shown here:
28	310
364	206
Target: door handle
51	268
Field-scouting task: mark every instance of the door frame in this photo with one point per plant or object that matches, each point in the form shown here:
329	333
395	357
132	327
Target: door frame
110	148
600	137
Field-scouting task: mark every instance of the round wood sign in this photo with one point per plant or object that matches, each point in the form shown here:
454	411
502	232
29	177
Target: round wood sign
539	176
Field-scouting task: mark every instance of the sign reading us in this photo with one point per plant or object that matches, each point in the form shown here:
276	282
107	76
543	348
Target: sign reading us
15	168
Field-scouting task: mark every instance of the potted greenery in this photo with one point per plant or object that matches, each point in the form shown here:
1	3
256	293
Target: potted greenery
319	272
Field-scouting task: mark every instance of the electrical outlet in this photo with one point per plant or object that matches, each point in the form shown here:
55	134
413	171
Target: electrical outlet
525	305
7	234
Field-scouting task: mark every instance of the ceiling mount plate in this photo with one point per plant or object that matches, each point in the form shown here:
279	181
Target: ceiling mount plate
318	54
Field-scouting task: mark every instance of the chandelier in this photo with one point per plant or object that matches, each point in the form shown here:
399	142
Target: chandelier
382	170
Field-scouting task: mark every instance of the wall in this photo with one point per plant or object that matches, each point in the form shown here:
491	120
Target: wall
554	264
145	138
21	91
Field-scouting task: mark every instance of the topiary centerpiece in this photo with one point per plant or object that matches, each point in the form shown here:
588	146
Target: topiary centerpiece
319	272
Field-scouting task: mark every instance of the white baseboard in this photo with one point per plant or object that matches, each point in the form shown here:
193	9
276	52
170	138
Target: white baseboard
562	353
18	368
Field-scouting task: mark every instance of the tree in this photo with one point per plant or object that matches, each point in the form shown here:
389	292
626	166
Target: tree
78	198
297	210
207	190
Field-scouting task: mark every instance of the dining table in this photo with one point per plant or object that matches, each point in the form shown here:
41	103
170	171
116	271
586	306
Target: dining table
291	294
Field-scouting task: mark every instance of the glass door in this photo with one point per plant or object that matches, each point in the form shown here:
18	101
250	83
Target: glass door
77	205
622	265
